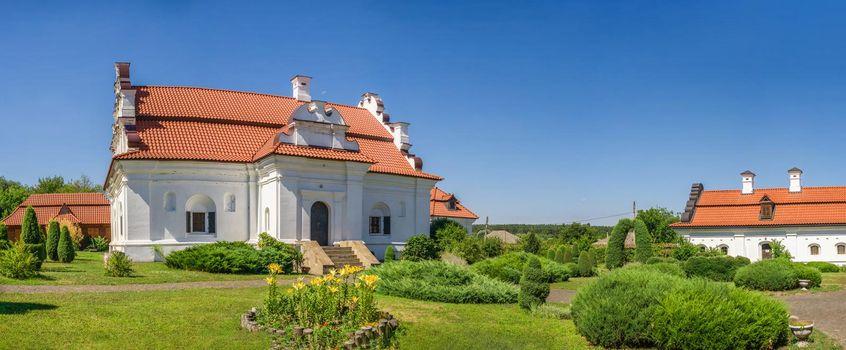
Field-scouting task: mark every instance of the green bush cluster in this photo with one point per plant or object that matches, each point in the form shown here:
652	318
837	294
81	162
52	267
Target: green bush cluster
118	265
446	232
636	307
669	268
232	257
823	266
18	262
32	237
533	286
99	244
66	252
661	259
643	242
419	248
585	265
706	315
531	244
440	281
717	268
775	275
509	268
615	255
4	237
389	254
804	272
53	233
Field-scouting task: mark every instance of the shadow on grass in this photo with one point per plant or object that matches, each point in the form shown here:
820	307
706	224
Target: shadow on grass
61	269
9	308
43	277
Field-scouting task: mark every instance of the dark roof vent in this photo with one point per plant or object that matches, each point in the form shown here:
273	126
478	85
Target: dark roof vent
690	207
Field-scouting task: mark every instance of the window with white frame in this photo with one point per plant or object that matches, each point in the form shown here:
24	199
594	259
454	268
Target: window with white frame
815	249
841	249
380	220
200	215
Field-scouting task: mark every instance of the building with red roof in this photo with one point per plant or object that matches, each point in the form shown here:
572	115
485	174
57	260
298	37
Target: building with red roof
443	205
88	210
809	221
194	165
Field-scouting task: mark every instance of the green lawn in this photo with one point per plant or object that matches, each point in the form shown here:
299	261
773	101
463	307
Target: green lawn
209	319
88	269
573	283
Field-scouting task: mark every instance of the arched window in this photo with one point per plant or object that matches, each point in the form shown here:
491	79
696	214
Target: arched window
766	251
200	215
815	249
267	219
841	249
170	201
380	219
723	248
230	202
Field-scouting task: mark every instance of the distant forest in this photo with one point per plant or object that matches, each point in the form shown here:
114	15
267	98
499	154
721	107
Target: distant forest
548	230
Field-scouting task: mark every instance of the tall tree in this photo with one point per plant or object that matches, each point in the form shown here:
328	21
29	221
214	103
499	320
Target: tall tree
534	288
532	244
643	241
53	233
658	222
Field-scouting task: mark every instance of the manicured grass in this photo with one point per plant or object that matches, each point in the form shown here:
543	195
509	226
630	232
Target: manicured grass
209	319
818	341
573	284
831	282
88	269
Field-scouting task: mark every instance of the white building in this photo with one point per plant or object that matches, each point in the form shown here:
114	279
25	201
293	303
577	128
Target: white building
195	165
809	221
446	206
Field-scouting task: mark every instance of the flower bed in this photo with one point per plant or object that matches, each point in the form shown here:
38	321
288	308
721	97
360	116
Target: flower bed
337	310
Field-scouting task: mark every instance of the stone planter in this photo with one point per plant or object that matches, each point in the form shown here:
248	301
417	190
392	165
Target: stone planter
802	331
804	284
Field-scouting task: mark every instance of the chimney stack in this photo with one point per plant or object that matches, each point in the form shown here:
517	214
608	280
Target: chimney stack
795	175
748	180
301	86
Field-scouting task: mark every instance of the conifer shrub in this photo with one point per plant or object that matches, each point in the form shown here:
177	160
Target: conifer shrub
389	254
4	232
824	267
509	267
32	237
18	262
616	310
643	241
551	252
419	248
573	269
771	274
591	258
568	256
532	244
707	315
232	257
53	234
492	247
615	255
673	269
718	268
66	252
661	259
585	268
533	286
118	265
446	232
441	281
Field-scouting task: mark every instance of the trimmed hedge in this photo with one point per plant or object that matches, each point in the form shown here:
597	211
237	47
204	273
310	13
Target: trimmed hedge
509	267
772	274
441	281
231	257
661	259
717	268
672	269
804	272
65	250
643	241
706	315
823	266
53	233
615	255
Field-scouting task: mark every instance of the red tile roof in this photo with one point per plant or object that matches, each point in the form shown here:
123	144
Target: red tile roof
438	206
83	208
183	123
731	208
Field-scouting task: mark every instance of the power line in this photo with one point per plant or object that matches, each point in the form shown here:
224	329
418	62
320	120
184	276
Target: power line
605	217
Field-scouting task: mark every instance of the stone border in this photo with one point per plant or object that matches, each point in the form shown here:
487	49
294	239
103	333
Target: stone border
361	338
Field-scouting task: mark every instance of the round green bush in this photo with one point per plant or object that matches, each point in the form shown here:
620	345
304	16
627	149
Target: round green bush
231	257
706	315
666	268
823	266
533	286
717	268
419	248
804	272
441	281
772	274
509	267
18	262
616	310
118	265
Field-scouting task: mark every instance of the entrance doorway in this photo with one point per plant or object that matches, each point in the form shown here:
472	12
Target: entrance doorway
320	223
766	251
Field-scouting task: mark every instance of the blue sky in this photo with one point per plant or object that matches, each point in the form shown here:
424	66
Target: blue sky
533	112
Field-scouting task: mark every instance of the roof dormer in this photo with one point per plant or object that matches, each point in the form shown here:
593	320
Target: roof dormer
316	124
767	208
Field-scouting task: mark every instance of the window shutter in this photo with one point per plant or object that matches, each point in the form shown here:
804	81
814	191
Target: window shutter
387	229
188	221
212	222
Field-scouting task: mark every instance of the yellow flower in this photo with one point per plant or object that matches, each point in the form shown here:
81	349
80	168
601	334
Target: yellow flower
333	289
369	280
274	268
317	281
332	273
354	299
290	291
270	280
299	285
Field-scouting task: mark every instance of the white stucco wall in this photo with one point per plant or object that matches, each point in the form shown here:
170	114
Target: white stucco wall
747	241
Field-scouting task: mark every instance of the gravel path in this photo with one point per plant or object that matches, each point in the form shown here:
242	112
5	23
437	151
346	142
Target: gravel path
560	295
134	287
827	310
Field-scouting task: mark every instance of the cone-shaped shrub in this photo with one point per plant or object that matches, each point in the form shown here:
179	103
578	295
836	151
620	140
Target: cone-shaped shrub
615	254
567	256
643	241
65	251
32	237
550	254
532	244
585	268
53	233
389	254
559	255
533	287
591	258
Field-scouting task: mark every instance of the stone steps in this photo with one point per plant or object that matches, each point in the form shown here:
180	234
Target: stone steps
342	256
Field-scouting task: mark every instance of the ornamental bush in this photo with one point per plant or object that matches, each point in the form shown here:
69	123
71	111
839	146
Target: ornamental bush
231	257
533	286
585	268
419	248
685	251
823	266
532	244
4	232
509	267
441	281
615	255
616	310
32	237
672	269
643	241
811	274
389	254
567	255
771	274
446	232
706	315
492	247
53	234
18	262
717	268
66	253
118	265
660	259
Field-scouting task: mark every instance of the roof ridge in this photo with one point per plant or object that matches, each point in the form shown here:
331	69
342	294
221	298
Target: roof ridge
777	188
241	92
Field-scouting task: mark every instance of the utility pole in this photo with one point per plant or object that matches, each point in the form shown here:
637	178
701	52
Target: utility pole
634	209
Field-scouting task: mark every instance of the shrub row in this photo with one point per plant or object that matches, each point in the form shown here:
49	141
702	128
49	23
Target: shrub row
775	275
717	268
823	266
232	257
509	268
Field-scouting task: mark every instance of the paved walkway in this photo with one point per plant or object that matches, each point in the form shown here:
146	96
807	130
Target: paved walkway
134	287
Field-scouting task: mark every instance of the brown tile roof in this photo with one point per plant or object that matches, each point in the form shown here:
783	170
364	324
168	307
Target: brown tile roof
184	123
83	208
731	208
438	206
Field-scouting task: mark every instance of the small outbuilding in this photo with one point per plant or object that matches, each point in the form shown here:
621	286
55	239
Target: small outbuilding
504	236
88	210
